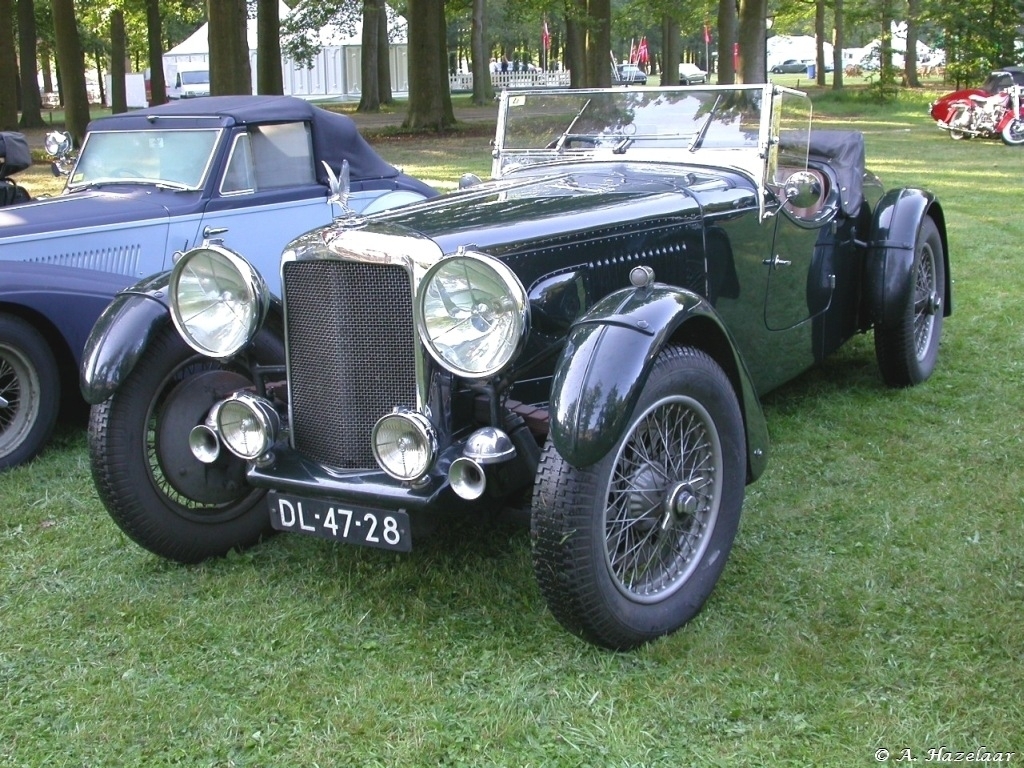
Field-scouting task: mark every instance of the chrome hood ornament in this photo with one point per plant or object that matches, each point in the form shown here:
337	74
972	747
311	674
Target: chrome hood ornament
340	187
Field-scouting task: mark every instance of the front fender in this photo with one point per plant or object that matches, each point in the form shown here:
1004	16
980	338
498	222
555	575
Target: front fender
608	358
889	278
121	334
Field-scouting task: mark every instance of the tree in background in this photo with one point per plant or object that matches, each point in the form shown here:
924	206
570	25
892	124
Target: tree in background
157	84
230	72
269	79
8	69
483	90
374	15
430	99
31	103
118	94
71	64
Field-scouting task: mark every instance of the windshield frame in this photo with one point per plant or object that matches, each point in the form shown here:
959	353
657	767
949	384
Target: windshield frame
90	171
737	127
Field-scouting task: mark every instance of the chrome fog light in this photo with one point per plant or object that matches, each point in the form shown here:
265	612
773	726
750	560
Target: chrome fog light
218	300
404	444
247	424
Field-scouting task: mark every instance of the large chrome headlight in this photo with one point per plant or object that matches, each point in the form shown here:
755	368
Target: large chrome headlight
218	300
474	315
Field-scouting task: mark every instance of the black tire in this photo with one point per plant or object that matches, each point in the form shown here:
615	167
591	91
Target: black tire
29	391
596	530
1013	133
160	495
908	348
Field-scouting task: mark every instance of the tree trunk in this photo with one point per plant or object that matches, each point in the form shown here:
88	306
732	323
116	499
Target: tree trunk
383	56
230	72
369	98
8	69
752	41
100	79
913	9
483	89
430	99
269	79
574	42
819	40
118	92
599	43
71	63
728	39
837	45
31	103
670	48
154	36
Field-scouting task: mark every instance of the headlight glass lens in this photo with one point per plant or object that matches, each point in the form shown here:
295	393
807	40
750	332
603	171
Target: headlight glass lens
248	425
217	300
404	445
474	314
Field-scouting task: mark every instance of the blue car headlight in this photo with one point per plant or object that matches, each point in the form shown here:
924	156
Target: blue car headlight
218	300
473	314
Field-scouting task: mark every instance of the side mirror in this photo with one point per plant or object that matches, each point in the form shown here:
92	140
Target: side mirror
802	190
58	146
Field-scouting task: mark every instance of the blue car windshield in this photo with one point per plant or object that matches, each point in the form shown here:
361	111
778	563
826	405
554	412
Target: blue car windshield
176	158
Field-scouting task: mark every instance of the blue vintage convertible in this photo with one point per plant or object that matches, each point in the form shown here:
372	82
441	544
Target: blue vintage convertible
250	172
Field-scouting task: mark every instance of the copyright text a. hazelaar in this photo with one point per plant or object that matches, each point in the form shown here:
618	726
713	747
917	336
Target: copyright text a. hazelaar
943	755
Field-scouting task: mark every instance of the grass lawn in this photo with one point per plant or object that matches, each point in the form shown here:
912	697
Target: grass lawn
873	599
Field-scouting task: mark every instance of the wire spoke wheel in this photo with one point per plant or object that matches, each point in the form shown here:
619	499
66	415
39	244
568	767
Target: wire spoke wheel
663	498
630	548
29	391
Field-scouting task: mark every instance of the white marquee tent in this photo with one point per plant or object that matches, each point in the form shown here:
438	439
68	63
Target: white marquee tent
334	72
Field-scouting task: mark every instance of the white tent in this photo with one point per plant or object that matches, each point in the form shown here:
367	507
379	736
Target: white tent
334	72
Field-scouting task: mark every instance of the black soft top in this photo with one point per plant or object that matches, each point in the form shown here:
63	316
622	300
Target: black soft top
335	136
14	154
843	151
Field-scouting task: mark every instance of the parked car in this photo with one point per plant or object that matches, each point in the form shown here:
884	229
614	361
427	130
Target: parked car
998	81
149	184
691	74
790	66
593	326
630	74
46	313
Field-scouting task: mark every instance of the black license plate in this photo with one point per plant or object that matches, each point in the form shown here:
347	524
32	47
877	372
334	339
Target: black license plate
328	520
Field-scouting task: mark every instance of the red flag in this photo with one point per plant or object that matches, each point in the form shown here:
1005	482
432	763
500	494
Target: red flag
642	56
545	36
707	34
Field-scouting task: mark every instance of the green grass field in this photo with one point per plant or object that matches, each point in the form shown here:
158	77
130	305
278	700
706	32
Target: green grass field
873	599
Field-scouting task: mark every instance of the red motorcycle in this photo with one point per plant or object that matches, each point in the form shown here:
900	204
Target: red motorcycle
986	116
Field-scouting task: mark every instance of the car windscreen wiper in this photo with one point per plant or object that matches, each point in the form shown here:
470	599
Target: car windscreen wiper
699	138
568	131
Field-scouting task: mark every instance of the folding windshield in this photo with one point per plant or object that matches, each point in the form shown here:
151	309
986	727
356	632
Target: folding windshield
178	158
710	125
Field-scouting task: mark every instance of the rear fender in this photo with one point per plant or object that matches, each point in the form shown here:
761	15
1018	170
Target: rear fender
889	277
608	358
121	335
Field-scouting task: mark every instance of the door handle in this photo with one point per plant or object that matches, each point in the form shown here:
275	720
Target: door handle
775	261
209	232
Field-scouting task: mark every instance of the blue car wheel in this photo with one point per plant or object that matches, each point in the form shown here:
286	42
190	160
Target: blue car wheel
29	391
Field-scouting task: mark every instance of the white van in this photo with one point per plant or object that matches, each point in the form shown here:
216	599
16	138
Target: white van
190	80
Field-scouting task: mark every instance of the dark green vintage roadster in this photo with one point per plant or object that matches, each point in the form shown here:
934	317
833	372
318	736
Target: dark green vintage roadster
595	323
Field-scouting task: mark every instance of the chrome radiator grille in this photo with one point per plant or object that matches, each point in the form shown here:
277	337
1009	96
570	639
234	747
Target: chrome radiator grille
351	355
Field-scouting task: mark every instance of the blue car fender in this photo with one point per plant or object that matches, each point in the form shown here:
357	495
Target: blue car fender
121	335
889	276
608	358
